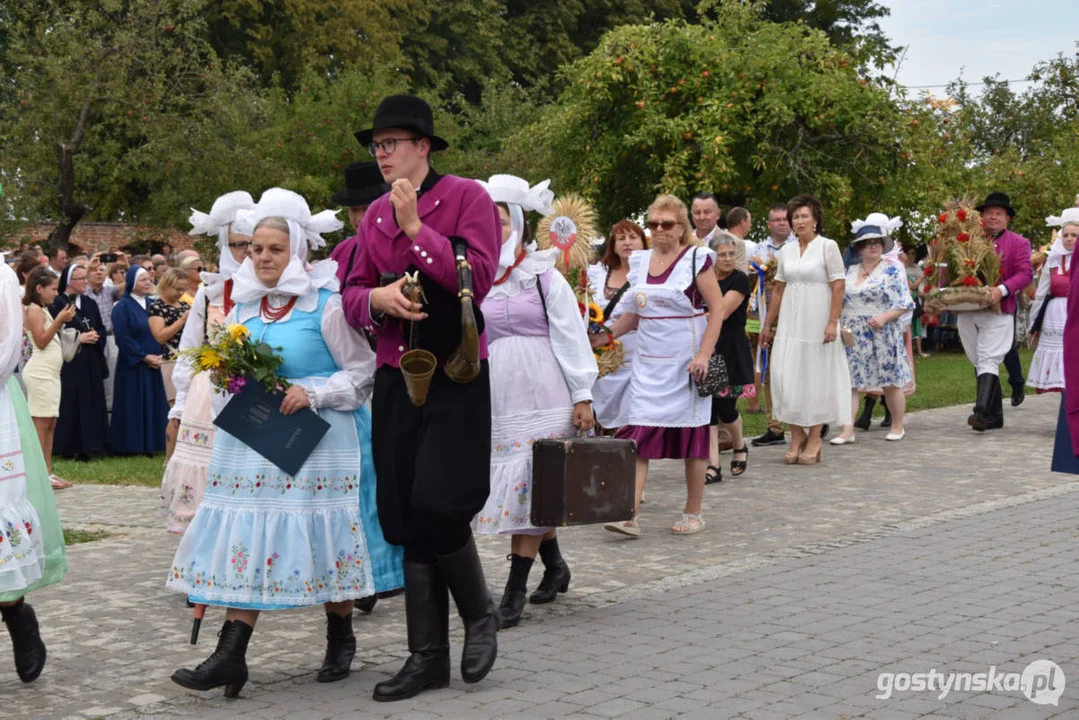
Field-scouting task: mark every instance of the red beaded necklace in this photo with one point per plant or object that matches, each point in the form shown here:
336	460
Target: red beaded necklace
274	314
511	268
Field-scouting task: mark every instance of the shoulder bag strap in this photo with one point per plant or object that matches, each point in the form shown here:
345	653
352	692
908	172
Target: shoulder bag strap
543	300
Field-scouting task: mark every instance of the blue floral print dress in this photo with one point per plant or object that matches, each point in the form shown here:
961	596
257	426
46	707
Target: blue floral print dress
878	358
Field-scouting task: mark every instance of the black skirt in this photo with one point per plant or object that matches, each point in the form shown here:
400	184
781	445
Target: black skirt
436	457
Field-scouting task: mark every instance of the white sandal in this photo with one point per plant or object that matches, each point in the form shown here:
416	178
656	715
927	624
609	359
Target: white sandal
692	524
631	528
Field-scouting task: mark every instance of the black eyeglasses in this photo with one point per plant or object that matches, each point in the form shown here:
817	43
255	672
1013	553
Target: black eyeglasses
654	225
241	245
388	145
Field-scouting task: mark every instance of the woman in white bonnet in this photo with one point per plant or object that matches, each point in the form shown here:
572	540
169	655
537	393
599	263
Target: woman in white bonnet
1050	308
263	539
191	417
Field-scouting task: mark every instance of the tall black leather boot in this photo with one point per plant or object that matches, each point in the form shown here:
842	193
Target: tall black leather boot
866	418
464	577
995	411
340	648
556	574
226	666
26	640
427	614
988	386
513	598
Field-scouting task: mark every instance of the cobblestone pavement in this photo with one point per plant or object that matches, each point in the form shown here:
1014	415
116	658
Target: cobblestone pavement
951	550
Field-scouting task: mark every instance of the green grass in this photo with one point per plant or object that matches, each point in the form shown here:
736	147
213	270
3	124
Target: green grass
944	379
125	470
75	537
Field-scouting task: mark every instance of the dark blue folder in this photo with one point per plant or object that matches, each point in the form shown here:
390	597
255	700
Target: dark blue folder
1064	459
253	418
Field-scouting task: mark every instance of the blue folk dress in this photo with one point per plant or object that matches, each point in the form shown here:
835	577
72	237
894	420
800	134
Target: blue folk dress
264	540
878	358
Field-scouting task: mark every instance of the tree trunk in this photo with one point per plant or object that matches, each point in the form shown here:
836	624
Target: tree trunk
72	212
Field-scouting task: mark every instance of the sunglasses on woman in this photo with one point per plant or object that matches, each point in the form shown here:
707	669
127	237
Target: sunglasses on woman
654	225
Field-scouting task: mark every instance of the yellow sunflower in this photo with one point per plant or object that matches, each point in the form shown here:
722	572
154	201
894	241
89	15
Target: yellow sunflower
238	332
210	359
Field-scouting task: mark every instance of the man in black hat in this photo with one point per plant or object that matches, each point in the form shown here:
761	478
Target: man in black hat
988	335
363	185
432	462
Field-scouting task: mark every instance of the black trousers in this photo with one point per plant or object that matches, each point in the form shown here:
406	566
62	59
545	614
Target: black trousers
724	410
433	463
1011	360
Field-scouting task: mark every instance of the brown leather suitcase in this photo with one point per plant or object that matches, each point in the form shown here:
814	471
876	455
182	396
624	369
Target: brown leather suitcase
582	481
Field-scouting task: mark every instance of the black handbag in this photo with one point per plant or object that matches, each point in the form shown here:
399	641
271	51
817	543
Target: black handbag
716	380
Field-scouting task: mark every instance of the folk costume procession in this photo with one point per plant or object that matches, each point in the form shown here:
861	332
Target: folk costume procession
436	350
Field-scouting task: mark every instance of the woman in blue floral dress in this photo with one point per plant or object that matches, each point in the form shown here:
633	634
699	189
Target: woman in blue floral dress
876	297
265	540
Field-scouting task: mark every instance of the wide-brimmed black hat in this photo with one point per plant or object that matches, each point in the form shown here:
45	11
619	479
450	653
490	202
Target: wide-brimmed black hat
1000	200
363	185
407	112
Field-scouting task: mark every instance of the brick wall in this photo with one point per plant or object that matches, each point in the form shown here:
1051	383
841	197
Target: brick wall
92	237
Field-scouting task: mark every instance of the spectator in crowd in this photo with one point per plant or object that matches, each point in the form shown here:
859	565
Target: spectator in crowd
159	259
733	347
779	234
159	270
1050	308
705	209
167	316
57	261
117	272
28	262
669	287
140	410
916	283
811	381
876	298
105	295
739	223
192	267
83	425
609	281
42	371
146	264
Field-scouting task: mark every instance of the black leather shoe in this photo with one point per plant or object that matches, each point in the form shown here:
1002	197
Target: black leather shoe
769	438
866	418
427	615
366	604
26	640
513	597
464	577
1019	394
340	649
226	666
556	574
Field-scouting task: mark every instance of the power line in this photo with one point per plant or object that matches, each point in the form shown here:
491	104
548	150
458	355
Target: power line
969	84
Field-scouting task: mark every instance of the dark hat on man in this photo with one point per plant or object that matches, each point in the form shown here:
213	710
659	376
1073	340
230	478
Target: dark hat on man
363	185
407	112
1000	200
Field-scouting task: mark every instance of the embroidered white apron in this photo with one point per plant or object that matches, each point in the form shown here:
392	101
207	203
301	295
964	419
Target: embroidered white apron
662	392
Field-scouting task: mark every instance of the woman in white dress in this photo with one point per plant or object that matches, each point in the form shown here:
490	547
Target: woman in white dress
542	370
609	280
1049	311
810	378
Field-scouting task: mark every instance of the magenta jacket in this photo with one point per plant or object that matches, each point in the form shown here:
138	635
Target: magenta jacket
453	206
1015	269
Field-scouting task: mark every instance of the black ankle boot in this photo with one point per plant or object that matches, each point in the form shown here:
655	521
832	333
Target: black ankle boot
366	604
427	614
226	666
866	418
556	574
513	599
26	640
340	648
887	421
464	577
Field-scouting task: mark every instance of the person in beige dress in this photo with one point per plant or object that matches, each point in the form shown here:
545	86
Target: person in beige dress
42	372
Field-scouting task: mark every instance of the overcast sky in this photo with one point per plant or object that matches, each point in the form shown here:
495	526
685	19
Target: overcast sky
976	38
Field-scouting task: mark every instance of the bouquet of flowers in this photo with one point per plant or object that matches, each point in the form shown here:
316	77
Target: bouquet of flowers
964	265
232	359
608	357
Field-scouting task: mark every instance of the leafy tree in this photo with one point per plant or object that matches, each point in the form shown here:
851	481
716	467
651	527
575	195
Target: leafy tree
752	110
123	111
